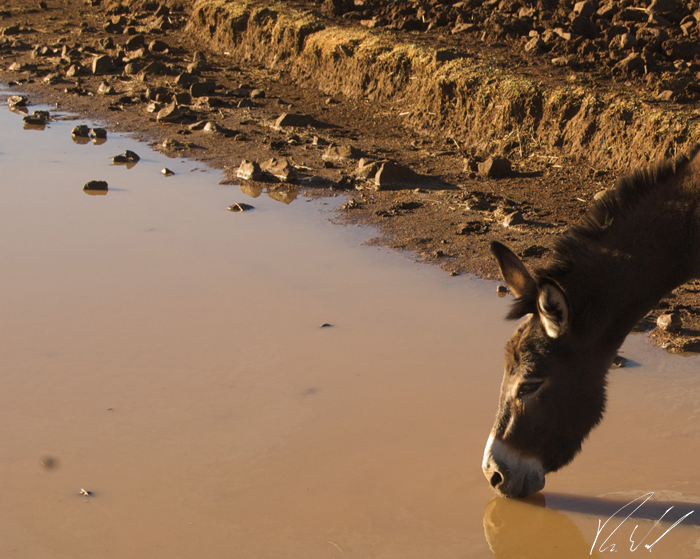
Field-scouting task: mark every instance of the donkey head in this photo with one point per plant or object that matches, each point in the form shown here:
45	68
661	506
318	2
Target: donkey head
553	390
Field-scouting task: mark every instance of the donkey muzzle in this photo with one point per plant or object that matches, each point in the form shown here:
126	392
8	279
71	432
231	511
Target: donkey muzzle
508	472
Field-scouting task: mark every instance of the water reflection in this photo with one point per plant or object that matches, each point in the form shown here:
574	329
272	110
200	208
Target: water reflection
525	528
284	195
251	189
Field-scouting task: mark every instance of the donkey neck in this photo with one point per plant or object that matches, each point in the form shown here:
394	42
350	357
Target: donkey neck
616	278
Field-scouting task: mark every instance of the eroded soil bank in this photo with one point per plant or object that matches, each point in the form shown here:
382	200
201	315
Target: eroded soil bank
437	92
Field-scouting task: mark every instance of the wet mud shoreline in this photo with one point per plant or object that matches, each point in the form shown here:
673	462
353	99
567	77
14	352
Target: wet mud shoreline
404	122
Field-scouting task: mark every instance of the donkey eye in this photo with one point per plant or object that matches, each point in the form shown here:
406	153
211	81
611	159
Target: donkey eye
530	387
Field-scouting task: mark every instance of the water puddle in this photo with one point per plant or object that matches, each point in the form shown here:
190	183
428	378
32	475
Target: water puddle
167	357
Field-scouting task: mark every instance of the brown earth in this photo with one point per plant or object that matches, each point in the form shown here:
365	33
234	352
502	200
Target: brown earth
571	95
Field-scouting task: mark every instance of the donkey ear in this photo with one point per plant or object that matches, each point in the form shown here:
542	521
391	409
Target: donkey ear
554	309
514	271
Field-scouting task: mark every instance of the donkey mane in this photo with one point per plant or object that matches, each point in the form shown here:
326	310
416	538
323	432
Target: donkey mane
579	241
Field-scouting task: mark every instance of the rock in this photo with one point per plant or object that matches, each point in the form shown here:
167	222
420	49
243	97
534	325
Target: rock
584	9
477	204
663	6
170	113
81	131
245	104
102	65
126	157
257	94
101	134
619	362
202	89
627	41
633	64
198	64
37	118
515	218
135	42
95	185
500	288
167	172
495	167
670	322
290	119
392	175
367	169
473	227
159	47
281	170
14	101
182	98
249	170
351	204
534	44
185	79
155	68
339	154
239	207
105	89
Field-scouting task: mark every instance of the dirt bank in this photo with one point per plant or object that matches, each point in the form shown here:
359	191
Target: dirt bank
435	93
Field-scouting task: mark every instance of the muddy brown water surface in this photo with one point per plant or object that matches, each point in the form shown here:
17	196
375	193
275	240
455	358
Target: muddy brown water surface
167	356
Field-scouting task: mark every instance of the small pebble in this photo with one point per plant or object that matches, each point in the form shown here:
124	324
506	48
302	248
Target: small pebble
239	207
167	172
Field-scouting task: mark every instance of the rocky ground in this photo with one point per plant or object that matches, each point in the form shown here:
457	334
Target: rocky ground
447	124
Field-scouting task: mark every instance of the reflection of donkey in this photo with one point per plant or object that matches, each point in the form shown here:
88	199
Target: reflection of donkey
638	243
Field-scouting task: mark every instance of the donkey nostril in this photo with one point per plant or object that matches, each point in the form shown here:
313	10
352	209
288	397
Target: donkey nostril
496	479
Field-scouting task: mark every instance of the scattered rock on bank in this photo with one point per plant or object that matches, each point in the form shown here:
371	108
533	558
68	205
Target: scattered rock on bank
239	207
495	167
280	169
249	170
392	176
96	185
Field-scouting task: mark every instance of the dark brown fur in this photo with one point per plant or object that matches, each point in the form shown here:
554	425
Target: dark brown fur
637	243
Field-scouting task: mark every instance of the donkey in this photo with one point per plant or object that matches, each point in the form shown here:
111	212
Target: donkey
639	242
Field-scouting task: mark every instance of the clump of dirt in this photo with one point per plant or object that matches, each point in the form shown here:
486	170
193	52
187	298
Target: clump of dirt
402	105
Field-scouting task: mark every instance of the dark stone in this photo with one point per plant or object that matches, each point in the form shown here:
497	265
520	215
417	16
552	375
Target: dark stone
102	65
81	131
182	98
155	68
290	119
281	170
135	42
239	207
126	157
670	322
95	185
249	170
515	218
186	79
100	134
585	9
340	154
392	175
619	362
201	89
158	46
495	167
171	113
633	64
17	101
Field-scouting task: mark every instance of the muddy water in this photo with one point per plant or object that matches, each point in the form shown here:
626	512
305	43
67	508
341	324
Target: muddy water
168	357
